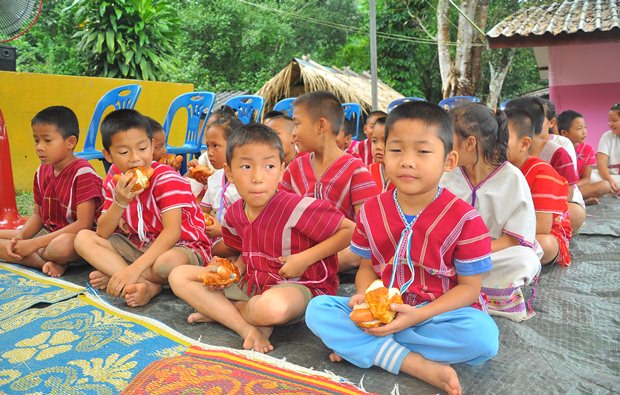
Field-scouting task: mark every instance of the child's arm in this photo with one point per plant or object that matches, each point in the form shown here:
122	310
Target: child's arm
585	180
295	265
365	276
214	230
503	242
108	221
85	213
602	161
544	221
464	294
168	238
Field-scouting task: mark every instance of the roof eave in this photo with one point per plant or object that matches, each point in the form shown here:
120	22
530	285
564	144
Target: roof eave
548	39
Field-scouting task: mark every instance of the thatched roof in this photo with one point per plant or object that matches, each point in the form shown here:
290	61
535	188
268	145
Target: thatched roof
305	75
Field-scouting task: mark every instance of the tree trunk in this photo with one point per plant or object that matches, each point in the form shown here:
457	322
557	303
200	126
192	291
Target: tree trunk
482	14
498	77
443	49
464	39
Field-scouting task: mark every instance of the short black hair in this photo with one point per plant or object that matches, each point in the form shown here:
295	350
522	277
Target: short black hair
227	123
284	117
62	117
521	121
155	126
380	121
347	127
121	121
379	113
430	114
534	106
615	107
566	118
489	129
322	104
272	114
253	133
549	109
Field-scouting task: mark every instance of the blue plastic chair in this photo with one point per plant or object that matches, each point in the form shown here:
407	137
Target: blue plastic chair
285	105
353	110
502	105
198	105
247	107
454	101
123	97
402	100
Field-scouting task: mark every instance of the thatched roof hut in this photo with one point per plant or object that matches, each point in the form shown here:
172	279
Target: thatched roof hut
305	75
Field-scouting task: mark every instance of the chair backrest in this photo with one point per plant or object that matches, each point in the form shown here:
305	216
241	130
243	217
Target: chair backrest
122	97
353	112
196	104
502	105
247	107
402	100
454	101
285	105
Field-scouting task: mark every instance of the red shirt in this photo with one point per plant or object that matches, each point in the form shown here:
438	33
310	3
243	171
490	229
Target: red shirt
586	156
376	171
57	196
289	224
345	183
449	239
550	195
363	151
563	164
168	190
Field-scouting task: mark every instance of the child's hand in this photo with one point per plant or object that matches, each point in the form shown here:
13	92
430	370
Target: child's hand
122	226
214	231
122	194
293	265
193	163
23	248
357	299
614	186
117	283
407	317
10	248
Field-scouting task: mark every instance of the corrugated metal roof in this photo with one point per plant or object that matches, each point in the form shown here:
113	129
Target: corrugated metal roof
561	17
222	97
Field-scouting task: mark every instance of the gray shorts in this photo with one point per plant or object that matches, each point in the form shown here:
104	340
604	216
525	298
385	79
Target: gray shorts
131	253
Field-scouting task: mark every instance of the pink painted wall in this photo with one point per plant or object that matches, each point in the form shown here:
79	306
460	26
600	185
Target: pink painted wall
586	78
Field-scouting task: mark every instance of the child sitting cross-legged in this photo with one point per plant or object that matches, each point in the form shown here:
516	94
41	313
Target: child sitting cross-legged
430	245
165	227
67	197
287	242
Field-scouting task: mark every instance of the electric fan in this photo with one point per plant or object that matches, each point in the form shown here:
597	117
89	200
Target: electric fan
17	17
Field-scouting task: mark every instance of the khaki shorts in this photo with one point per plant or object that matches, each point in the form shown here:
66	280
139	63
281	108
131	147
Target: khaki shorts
236	293
42	232
131	253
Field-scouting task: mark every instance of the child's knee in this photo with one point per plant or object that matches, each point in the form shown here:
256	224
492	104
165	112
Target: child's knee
179	276
61	247
84	239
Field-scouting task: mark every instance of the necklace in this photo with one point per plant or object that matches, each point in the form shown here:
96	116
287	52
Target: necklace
403	249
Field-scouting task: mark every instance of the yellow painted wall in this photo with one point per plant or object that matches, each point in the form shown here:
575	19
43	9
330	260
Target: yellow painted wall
22	95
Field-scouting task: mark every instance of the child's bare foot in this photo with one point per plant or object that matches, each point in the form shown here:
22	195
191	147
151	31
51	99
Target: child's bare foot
139	294
53	269
335	357
197	317
98	280
435	373
256	339
592	201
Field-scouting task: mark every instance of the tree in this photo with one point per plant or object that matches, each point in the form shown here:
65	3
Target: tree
127	38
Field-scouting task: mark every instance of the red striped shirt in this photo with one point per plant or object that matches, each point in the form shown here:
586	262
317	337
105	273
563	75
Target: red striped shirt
57	197
289	224
586	156
345	183
563	164
168	190
550	195
363	151
449	238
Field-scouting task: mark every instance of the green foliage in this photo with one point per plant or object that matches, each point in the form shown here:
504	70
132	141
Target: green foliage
127	38
25	203
48	46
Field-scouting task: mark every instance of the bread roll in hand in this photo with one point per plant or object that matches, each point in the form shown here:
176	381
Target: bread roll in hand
200	171
220	271
172	160
141	174
376	311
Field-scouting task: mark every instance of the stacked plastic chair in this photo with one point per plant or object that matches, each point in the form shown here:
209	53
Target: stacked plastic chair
248	107
454	101
402	100
285	105
353	112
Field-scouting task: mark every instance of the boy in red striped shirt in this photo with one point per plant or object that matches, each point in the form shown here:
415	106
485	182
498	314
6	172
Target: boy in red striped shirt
287	243
165	226
549	190
67	198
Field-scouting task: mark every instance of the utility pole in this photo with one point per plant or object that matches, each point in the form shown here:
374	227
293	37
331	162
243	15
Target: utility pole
373	53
